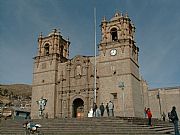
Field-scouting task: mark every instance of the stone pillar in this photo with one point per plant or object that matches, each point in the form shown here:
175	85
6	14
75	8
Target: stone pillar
60	105
68	105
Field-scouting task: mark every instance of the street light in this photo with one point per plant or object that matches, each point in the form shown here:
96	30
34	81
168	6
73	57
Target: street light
121	85
158	97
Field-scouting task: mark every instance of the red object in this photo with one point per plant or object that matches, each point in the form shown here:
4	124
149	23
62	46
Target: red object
149	114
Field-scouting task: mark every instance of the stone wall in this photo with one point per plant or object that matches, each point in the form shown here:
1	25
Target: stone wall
168	97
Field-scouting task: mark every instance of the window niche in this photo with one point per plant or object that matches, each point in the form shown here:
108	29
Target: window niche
114	95
78	71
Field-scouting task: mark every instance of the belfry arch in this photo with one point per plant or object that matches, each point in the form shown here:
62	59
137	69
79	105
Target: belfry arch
46	49
114	34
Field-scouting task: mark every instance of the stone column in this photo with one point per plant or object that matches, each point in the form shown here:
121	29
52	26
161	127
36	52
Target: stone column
60	104
68	105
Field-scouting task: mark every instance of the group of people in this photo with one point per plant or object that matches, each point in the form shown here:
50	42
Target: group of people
99	111
172	117
31	127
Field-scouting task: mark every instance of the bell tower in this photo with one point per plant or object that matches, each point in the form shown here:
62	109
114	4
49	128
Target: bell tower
118	64
53	44
116	33
52	49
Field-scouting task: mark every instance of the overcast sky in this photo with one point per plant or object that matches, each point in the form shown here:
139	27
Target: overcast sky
157	34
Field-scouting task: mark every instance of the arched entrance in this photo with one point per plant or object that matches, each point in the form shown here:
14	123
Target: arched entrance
78	108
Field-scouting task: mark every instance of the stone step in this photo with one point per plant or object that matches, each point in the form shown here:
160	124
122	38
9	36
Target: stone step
49	132
95	126
71	131
167	130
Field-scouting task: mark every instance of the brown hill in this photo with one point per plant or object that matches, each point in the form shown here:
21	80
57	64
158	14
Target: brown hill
17	89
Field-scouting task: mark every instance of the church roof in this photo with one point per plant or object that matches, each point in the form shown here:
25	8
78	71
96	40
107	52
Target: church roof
83	56
165	88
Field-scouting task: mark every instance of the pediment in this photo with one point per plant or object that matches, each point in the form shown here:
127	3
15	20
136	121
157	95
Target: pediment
79	59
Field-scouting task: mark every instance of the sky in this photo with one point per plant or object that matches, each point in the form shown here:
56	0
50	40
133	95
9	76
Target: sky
157	34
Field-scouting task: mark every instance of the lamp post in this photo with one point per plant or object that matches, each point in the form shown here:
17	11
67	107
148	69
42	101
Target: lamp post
158	97
121	85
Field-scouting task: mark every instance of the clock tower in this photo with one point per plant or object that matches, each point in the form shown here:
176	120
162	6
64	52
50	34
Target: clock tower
118	64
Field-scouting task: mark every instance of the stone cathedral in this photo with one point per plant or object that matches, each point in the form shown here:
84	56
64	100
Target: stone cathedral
68	84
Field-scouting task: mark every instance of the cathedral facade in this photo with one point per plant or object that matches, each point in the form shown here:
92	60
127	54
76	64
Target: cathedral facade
68	84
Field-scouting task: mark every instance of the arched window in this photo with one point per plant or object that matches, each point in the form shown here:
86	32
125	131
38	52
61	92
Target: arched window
46	49
114	34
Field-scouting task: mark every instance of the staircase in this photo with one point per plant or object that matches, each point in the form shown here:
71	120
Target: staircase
90	126
158	125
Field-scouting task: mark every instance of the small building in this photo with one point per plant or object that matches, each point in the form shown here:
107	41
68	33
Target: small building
6	112
14	113
20	113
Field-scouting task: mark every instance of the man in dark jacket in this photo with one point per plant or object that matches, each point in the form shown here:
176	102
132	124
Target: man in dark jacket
102	109
175	120
107	109
94	109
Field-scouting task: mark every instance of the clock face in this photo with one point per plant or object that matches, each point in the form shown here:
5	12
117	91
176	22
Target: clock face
113	52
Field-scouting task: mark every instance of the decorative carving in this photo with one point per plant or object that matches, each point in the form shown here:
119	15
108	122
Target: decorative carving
104	49
122	48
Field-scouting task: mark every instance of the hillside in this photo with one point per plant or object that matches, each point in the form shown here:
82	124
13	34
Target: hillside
16	89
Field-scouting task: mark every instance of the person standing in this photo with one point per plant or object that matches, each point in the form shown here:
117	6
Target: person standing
102	109
145	112
94	109
111	109
98	112
164	116
175	120
107	109
149	114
